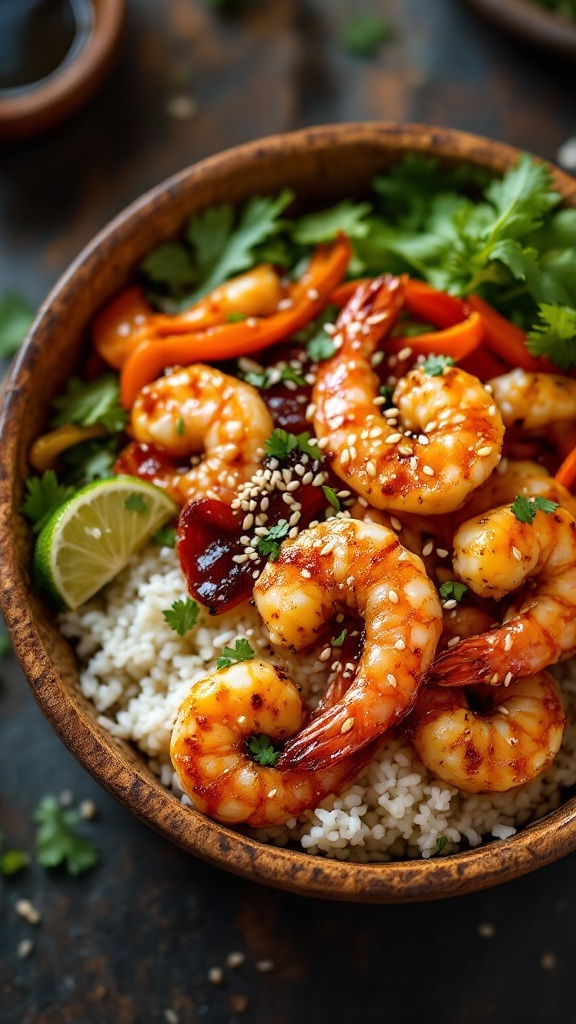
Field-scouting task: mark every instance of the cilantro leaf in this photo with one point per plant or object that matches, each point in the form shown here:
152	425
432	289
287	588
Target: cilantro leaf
171	265
90	460
337	641
280	444
303	441
320	347
182	616
555	335
16	315
13	861
289	373
43	496
56	841
347	217
263	750
233	655
434	366
525	508
331	496
452	590
136	503
365	33
88	402
269	545
165	537
544	504
442	843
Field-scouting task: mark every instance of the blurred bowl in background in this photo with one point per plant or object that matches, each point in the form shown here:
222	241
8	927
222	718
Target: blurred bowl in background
526	20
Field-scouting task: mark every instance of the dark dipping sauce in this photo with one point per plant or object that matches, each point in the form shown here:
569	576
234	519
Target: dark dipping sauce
38	36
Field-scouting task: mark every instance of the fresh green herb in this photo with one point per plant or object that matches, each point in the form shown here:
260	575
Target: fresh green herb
525	508
89	461
235	317
337	641
305	446
233	655
365	33
5	645
452	590
57	842
555	335
13	861
347	217
89	402
171	265
269	545
16	315
434	366
442	843
136	503
320	347
289	373
180	426
182	616
165	537
385	391
266	379
331	496
43	496
263	750
281	443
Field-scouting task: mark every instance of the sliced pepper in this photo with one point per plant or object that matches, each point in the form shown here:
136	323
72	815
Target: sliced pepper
566	474
116	330
457	341
506	340
46	449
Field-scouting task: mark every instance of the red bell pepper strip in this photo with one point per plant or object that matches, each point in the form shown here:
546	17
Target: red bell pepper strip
458	341
116	330
308	296
566	474
506	340
434	307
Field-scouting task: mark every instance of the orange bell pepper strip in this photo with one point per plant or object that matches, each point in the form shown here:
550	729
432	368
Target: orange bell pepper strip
117	328
506	340
566	474
308	298
457	341
434	307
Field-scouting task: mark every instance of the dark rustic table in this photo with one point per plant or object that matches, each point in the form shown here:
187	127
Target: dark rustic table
135	940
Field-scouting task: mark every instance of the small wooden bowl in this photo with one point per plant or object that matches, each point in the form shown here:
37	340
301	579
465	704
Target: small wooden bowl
39	107
321	165
531	23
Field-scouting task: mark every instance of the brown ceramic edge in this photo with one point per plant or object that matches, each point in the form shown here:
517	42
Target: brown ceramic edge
391	882
531	23
63	92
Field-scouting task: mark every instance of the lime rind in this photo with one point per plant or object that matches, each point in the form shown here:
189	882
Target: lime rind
92	537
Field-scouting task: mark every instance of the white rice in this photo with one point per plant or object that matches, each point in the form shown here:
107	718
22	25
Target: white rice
137	671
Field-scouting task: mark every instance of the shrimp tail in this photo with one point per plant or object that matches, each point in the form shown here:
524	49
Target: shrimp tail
478	659
324	741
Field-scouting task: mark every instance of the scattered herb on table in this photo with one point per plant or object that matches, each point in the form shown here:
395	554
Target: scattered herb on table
233	655
57	842
12	861
16	315
525	508
43	496
263	751
183	615
365	34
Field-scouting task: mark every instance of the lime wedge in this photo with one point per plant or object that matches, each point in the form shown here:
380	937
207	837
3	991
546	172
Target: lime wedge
90	538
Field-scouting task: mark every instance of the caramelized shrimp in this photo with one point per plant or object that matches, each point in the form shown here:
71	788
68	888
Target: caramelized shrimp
489	740
197	408
494	554
534	400
516	476
346	565
451	432
209	748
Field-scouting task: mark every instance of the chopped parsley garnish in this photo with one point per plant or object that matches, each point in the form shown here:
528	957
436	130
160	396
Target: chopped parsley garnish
289	373
320	347
525	508
165	537
89	402
263	750
180	426
337	641
267	379
182	616
269	546
281	443
434	366
442	843
554	335
233	655
57	842
43	496
452	590
13	861
365	33
331	496
136	503
16	315
89	461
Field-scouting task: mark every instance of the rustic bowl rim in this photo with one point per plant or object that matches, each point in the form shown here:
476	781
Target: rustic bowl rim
292	870
533	24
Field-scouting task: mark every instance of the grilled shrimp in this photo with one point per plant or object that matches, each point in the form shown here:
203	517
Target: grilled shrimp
346	565
534	400
512	477
451	432
494	554
488	740
200	408
209	748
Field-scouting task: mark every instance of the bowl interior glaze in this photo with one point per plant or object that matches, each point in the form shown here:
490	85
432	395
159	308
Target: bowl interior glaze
321	165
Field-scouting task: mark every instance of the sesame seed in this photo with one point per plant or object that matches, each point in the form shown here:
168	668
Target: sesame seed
272	793
517	554
306	574
379	400
376	359
24	948
393	596
241	719
487	450
494	678
310	411
400	644
353	452
405	449
328	548
504	710
87	810
508	642
428	470
313	294
423	439
237	958
27	910
347	725
351	439
362	501
393	438
216	975
442	552
395	523
325	654
453	641
248	521
377	318
371	468
404	353
329	328
264	966
507	679
392	680
345	457
450	604
428	548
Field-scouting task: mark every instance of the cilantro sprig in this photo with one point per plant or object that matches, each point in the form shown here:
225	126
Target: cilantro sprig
525	508
263	750
331	497
166	537
57	842
182	616
136	503
43	496
269	546
88	402
452	590
337	641
434	365
234	655
365	33
554	335
281	443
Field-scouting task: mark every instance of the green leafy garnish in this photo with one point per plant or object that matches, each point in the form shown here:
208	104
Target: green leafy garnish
331	496
337	641
554	335
56	841
305	446
452	590
525	508
5	645
281	443
43	496
347	217
233	655
289	373
434	365
16	315
89	461
136	503
235	317
365	33
165	537
269	546
170	264
180	426
13	861
320	347
89	402
442	843
182	616
385	391
263	750
266	379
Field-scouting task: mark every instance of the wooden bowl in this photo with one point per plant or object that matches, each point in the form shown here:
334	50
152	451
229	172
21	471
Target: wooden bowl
41	106
531	23
321	165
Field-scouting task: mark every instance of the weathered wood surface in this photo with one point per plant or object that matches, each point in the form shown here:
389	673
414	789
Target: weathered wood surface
138	935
